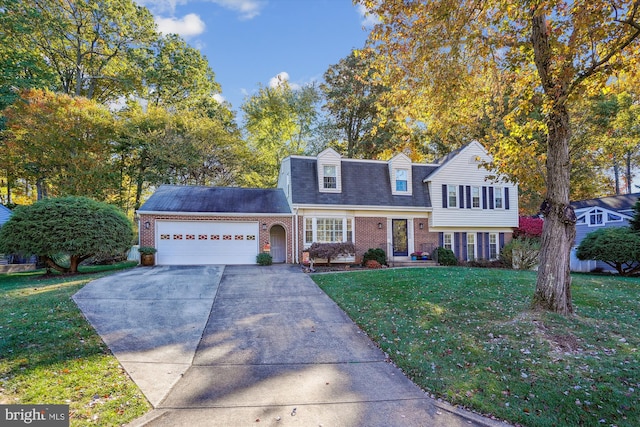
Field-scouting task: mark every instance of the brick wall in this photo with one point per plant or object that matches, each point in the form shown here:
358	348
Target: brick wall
423	239
368	235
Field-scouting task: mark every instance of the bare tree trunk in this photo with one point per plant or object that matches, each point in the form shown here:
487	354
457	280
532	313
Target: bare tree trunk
616	173
553	287
628	174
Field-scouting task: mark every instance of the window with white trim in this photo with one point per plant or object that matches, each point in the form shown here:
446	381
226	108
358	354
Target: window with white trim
613	217
401	180
595	217
452	192
497	197
493	246
327	230
330	177
447	240
475	197
471	246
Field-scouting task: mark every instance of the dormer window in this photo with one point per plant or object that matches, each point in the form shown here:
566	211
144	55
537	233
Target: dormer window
401	180
595	217
330	180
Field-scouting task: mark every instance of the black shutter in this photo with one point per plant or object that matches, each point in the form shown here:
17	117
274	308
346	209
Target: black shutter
486	246
468	190
461	196
441	239
444	195
484	197
463	255
506	198
490	197
501	241
456	246
480	249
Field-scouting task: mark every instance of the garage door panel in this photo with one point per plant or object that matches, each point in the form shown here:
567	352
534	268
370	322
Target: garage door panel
206	242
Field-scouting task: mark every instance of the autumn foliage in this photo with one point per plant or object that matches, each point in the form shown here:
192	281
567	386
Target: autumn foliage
528	228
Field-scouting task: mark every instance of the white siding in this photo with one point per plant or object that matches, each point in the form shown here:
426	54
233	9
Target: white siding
463	170
400	162
329	157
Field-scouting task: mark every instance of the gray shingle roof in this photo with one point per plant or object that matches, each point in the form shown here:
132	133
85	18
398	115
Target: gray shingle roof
193	199
363	184
620	203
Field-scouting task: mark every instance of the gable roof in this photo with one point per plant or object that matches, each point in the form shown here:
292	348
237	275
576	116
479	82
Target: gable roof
194	199
364	183
442	162
619	203
5	214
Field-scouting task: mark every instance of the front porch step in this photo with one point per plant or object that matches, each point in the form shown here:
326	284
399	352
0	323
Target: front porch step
417	263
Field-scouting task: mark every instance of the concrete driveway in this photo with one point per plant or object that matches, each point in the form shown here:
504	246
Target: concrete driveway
240	345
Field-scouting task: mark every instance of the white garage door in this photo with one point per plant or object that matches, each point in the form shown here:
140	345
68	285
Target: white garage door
206	242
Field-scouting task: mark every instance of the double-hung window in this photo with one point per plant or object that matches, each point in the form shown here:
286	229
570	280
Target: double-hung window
401	180
475	197
447	240
493	246
471	246
452	192
497	198
330	177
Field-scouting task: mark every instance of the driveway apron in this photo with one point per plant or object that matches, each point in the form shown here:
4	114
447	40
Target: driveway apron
275	350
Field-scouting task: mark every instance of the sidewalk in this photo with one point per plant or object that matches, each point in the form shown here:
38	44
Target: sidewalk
277	351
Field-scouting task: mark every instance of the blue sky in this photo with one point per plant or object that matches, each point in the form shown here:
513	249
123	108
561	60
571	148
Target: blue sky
250	42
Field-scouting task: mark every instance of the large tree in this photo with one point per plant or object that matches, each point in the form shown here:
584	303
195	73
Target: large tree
556	51
92	46
60	144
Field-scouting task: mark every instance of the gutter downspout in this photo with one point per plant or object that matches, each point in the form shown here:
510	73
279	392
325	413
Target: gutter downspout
295	234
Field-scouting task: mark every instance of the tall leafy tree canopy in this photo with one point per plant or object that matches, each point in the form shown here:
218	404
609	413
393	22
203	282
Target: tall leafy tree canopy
502	59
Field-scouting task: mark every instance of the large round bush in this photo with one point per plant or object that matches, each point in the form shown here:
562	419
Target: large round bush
75	226
618	247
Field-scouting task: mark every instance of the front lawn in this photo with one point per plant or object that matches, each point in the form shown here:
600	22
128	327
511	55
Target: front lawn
467	335
49	354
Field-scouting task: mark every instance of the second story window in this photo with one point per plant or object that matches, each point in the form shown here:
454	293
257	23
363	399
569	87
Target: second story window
497	198
401	180
595	217
330	177
452	192
475	197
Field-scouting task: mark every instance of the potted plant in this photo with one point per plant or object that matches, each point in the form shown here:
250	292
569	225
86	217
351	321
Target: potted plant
416	256
147	255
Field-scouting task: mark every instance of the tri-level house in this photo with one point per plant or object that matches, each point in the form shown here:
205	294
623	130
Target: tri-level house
399	206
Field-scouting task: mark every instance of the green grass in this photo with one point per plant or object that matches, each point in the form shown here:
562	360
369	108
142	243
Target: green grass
50	354
468	336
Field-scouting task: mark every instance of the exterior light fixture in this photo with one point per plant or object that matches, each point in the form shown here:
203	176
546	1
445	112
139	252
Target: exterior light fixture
379	226
421	225
264	226
147	224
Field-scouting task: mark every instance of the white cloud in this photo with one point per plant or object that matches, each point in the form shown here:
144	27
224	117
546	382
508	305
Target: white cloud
278	79
248	9
368	19
218	97
188	26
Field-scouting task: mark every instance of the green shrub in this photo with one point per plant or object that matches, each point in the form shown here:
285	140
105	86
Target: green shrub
446	256
521	254
618	247
147	250
375	254
264	259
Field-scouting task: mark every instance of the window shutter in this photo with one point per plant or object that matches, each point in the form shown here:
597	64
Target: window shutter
441	239
456	246
490	197
501	241
461	196
480	248
506	198
487	249
468	189
445	195
484	197
463	254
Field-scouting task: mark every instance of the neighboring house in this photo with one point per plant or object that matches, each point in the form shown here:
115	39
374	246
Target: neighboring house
397	205
604	212
5	214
